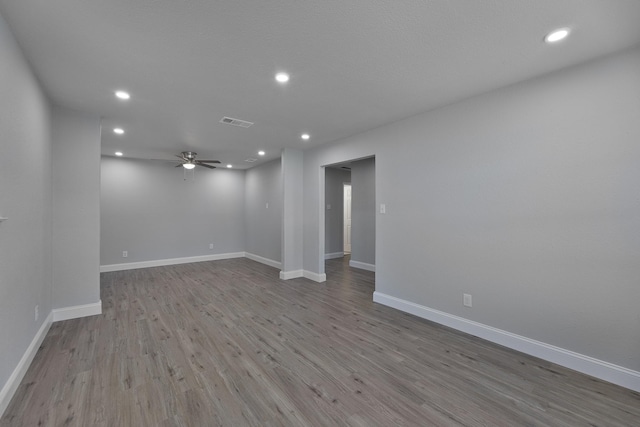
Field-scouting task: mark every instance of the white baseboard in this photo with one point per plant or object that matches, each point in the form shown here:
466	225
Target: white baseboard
362	265
170	261
263	260
334	255
77	311
10	387
293	274
578	362
320	278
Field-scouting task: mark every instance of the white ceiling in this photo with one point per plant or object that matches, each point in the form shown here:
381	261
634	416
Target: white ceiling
354	65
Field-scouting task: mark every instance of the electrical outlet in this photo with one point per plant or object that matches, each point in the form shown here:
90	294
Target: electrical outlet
329	207
125	254
210	245
466	300
37	312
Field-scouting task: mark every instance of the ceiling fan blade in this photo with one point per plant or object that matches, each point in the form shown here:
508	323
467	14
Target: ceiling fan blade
199	163
179	165
209	161
181	157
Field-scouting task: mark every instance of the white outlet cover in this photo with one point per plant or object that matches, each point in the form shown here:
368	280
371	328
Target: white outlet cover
467	300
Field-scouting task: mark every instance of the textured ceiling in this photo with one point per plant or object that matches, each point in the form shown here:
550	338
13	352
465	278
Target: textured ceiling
354	65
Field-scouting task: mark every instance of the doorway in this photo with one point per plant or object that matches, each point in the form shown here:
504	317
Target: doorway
350	214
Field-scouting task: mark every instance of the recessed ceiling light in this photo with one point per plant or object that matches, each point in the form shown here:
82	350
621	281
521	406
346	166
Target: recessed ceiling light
119	153
122	95
305	136
229	166
261	153
119	131
557	35
282	77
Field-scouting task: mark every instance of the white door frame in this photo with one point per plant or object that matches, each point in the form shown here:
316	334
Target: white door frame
321	212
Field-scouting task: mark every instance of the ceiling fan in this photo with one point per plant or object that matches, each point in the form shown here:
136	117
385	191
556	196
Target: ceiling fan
189	161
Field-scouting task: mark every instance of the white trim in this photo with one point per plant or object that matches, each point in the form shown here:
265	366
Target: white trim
293	274
10	387
286	275
320	278
263	260
170	261
77	311
587	365
334	255
362	265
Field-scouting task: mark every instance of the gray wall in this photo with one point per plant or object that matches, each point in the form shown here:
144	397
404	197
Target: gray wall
334	217
25	198
149	210
363	211
525	197
263	225
76	208
292	212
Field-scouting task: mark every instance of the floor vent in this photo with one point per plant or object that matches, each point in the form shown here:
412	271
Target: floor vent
236	122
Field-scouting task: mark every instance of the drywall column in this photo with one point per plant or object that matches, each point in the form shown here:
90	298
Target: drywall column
76	214
291	214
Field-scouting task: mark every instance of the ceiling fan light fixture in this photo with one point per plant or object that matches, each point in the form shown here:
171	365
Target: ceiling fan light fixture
188	165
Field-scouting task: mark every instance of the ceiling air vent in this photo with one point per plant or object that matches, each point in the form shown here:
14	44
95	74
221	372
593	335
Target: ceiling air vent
251	160
236	122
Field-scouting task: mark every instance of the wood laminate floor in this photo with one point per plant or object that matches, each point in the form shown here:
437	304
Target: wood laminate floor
227	343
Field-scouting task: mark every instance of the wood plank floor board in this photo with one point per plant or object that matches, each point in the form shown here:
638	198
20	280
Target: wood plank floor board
227	343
